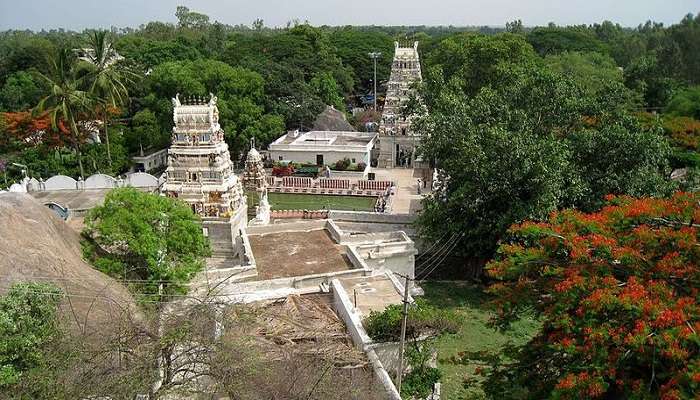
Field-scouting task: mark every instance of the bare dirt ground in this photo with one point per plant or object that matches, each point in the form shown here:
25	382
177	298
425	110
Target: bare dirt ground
287	254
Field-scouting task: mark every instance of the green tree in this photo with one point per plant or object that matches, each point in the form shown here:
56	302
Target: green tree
20	92
190	19
327	90
496	175
240	93
621	158
646	76
515	26
28	323
553	40
22	51
142	236
526	146
353	46
152	52
685	103
473	61
590	70
145	133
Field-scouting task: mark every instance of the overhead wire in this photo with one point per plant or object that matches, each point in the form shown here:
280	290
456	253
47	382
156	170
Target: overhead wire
437	253
435	243
438	263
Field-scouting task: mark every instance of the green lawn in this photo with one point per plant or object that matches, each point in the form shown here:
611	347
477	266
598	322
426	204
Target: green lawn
468	302
294	201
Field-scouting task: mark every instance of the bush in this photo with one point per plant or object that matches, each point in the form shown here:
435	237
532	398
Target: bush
342	165
361	166
282	170
419	382
422	319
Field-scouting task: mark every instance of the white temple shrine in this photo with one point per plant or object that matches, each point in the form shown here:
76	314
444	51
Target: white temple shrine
199	170
397	141
254	177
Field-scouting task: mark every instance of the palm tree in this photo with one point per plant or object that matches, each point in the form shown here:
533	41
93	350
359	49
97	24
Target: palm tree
108	80
66	101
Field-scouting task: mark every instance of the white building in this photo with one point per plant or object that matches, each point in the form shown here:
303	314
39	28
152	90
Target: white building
323	147
150	161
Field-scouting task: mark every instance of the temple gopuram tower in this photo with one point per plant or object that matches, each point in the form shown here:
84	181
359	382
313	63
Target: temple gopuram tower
199	170
254	177
397	142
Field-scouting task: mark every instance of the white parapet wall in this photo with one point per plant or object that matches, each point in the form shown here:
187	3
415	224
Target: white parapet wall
353	321
140	180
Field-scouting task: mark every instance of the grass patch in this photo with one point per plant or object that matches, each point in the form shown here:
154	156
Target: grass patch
295	201
468	303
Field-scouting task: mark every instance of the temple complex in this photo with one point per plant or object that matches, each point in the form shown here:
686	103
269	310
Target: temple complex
397	142
199	165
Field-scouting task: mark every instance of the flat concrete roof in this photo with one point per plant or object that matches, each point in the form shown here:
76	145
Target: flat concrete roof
332	138
73	199
289	254
374	293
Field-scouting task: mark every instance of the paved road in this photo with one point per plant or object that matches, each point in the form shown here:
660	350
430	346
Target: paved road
407	200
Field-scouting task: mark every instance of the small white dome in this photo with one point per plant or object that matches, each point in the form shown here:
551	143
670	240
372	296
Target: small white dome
17	188
253	155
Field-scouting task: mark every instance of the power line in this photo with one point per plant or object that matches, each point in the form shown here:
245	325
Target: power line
438	253
435	243
446	254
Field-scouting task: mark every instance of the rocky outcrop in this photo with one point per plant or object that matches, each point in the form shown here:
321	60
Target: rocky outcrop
37	246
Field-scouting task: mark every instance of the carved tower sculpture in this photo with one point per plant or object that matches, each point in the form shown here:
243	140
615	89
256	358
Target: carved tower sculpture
254	174
199	164
397	142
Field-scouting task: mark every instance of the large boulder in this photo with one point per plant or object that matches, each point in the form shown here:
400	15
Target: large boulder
332	120
37	246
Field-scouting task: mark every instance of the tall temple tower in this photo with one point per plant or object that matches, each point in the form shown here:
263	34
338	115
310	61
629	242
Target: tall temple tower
199	164
397	142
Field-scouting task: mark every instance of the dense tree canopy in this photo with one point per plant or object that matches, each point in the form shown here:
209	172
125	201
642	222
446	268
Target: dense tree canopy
524	141
240	94
590	70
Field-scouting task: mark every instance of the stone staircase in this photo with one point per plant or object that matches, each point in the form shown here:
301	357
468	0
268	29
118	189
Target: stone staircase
223	254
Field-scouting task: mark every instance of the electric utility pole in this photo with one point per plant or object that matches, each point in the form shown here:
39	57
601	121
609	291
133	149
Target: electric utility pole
399	372
374	56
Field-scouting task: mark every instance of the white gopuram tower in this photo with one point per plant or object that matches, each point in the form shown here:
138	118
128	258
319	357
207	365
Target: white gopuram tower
397	142
199	170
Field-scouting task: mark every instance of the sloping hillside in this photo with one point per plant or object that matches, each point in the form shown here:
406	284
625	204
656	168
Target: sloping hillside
35	245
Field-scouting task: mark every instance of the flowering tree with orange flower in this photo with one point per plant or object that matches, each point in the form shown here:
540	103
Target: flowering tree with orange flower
617	293
33	130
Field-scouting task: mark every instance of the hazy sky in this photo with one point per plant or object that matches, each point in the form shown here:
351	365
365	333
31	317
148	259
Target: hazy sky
79	14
